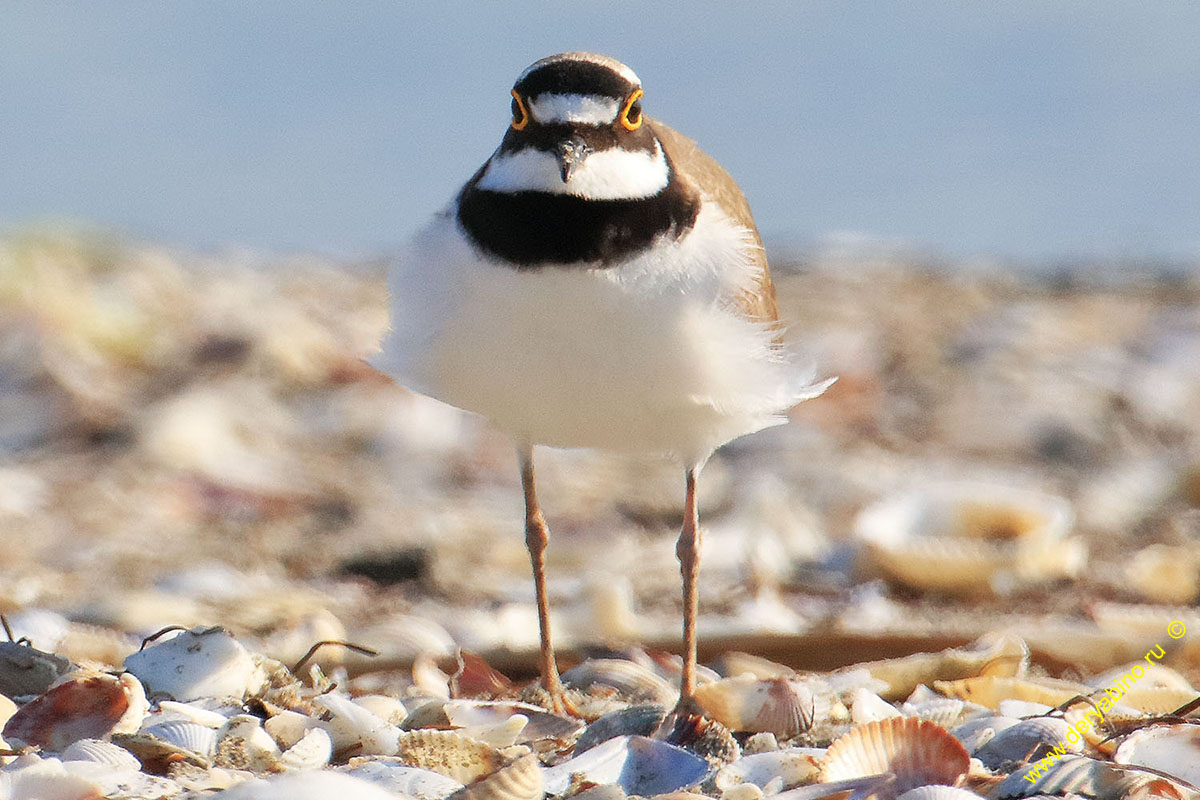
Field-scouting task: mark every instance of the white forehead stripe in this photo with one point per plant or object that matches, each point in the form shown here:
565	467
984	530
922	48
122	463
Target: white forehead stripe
592	58
583	109
614	174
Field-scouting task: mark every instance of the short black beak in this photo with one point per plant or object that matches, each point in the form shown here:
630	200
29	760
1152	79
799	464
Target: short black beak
571	154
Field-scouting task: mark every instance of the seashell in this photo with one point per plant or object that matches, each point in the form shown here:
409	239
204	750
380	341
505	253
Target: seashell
321	785
243	744
760	743
391	774
631	680
90	706
1169	749
1028	740
352	726
915	751
157	756
639	765
989	690
789	768
872	786
27	671
967	538
540	723
520	780
100	752
778	705
388	709
640	720
1165	574
945	711
289	727
190	736
975	733
313	751
46	779
1077	776
738	663
450	753
201	662
1002	655
866	706
743	791
938	792
1023	708
192	713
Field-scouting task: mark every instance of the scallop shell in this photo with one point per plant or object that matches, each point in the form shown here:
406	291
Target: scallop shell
1169	749
90	706
631	680
989	690
639	765
738	663
945	711
450	753
391	774
352	726
191	736
639	720
778	705
1002	655
1078	776
99	751
243	744
198	663
321	785
520	780
788	768
1028	740
915	751
313	751
965	538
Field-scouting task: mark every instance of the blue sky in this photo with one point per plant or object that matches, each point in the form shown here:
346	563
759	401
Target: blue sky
1032	130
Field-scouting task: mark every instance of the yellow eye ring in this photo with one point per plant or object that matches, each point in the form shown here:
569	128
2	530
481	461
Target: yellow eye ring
635	123
520	113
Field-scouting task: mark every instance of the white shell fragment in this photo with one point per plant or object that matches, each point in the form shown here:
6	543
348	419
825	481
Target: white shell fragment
307	786
395	776
450	753
780	706
100	752
1170	749
520	780
777	770
191	736
639	765
198	663
313	751
352	726
243	744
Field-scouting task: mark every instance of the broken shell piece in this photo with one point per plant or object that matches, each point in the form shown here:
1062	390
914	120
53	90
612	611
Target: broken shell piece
639	765
450	753
306	786
788	768
352	726
198	663
778	705
631	680
90	706
99	751
1002	655
975	733
866	706
540	724
989	690
397	777
313	751
243	744
46	779
520	780
1165	574
1169	749
967	537
1078	776
916	752
937	792
289	727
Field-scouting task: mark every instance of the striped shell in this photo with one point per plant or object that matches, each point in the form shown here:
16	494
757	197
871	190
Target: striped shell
631	680
1076	776
1029	739
916	752
99	751
391	774
352	726
243	744
1170	749
520	780
313	751
777	705
937	792
191	736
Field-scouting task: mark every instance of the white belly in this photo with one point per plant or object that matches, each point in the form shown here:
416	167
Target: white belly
648	356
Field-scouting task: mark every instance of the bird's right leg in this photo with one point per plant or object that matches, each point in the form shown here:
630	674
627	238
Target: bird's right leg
537	535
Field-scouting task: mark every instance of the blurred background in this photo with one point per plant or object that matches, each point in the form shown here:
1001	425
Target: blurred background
983	218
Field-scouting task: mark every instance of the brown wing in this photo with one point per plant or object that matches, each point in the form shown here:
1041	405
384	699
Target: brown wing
758	301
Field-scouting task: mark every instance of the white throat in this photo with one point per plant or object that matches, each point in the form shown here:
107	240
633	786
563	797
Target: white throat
613	174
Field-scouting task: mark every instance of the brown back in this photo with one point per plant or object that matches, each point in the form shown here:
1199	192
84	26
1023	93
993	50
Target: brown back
717	185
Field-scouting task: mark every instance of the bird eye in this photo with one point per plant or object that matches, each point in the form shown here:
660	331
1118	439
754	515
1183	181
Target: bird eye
631	115
520	116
